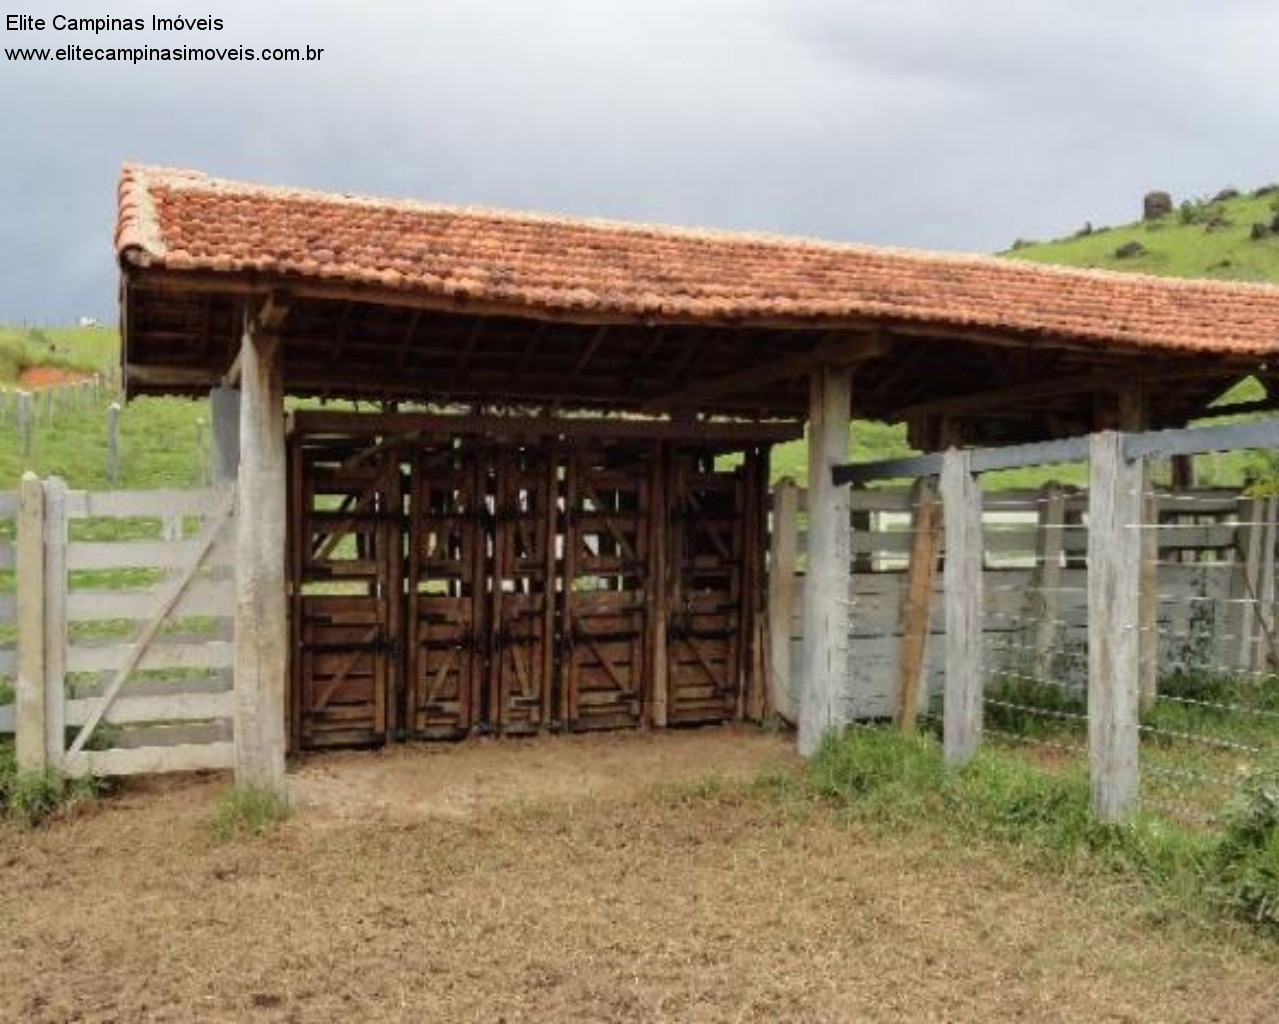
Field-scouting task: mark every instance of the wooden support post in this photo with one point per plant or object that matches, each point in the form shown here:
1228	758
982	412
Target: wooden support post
113	444
1134	415
26	425
1114	593
29	709
659	586
783	548
965	673
1266	656
917	606
824	706
261	614
55	620
224	412
1251	534
1148	599
1045	589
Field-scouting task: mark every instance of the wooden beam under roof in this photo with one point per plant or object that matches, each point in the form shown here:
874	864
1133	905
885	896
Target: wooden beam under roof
838	351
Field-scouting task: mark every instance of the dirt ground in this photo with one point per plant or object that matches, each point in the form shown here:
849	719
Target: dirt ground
544	881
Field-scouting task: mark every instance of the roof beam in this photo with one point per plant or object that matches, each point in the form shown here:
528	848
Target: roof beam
1013	394
840	351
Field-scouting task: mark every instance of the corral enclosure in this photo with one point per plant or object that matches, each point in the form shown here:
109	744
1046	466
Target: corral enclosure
1214	580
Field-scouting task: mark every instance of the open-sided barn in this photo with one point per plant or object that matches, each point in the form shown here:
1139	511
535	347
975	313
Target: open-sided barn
530	522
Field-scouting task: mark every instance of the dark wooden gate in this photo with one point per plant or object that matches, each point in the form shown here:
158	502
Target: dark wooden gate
606	587
447	588
345	563
708	559
524	485
443	585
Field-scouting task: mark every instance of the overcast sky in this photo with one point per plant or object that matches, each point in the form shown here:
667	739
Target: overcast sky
958	125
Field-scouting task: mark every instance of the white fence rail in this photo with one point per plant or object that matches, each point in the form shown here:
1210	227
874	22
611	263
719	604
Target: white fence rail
127	666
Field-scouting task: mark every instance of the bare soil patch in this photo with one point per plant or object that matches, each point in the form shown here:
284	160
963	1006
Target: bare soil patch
35	377
582	898
459	781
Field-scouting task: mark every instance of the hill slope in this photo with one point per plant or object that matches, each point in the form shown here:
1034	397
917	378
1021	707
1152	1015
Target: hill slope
1201	238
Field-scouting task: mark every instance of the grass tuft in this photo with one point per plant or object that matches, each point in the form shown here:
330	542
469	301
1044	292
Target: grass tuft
883	778
248	811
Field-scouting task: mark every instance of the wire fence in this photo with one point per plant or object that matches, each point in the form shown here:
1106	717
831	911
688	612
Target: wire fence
1127	631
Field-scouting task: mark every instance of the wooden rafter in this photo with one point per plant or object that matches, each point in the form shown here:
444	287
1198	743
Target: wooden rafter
841	350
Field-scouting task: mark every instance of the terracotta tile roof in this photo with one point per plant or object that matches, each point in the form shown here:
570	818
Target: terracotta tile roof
187	221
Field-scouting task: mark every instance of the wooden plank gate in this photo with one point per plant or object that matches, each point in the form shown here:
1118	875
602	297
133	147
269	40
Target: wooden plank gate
443	585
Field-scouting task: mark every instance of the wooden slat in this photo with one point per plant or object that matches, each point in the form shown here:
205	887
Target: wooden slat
6	718
177	707
143	504
144	554
159	655
204	597
149	760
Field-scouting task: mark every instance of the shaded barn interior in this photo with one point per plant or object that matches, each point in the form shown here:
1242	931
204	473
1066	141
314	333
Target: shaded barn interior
550	509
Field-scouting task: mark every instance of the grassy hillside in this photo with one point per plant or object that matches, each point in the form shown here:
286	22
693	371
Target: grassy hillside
1231	239
69	348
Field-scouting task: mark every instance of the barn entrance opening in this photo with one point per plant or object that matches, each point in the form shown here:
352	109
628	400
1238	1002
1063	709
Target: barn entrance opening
496	575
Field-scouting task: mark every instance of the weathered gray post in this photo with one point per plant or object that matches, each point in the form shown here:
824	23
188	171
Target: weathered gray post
26	415
826	679
962	580
55	619
1043	597
224	412
29	706
784	546
261	620
113	444
1114	592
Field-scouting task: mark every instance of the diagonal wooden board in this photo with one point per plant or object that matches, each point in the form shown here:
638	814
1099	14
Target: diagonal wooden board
204	543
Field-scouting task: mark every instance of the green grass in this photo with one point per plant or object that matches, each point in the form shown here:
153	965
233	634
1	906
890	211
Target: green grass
884	779
30	798
1189	243
247	811
86	349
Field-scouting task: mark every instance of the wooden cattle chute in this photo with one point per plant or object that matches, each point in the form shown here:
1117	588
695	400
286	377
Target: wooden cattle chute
508	574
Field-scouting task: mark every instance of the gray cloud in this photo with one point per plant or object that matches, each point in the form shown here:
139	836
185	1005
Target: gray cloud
954	126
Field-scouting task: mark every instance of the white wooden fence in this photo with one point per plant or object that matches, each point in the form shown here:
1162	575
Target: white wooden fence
1034	585
124	611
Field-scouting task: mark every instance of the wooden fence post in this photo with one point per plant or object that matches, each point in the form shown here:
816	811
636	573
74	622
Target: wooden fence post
261	604
916	615
1250	535
26	415
1046	586
1148	600
1114	596
29	709
783	549
965	673
828	582
113	444
55	619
